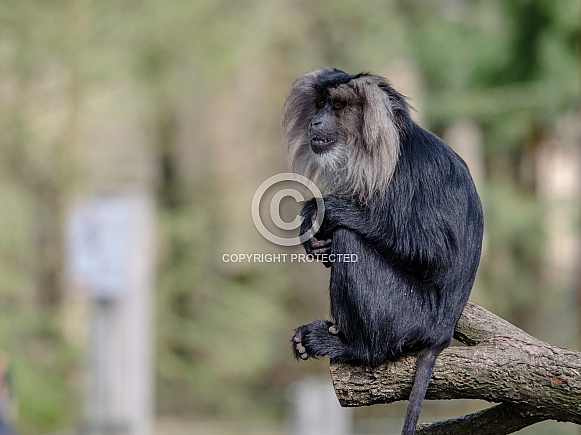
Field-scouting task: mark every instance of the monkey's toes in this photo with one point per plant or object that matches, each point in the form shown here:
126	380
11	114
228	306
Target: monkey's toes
334	329
298	348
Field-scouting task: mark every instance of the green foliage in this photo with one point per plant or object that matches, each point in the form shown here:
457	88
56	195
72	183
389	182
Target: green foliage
44	398
216	332
41	366
513	246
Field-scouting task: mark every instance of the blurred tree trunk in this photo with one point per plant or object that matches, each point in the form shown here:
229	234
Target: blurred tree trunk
558	165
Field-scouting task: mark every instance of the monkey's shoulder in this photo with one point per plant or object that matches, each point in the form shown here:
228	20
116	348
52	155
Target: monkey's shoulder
424	155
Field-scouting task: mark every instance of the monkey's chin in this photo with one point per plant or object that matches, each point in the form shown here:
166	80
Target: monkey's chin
319	147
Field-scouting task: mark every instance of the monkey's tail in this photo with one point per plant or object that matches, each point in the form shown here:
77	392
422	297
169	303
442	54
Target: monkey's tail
425	365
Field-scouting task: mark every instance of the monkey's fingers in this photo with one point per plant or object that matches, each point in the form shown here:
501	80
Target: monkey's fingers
321	246
320	243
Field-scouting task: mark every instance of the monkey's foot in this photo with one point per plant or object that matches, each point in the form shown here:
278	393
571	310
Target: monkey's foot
319	338
334	329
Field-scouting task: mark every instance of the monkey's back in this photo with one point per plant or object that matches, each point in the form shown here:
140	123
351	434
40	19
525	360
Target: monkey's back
415	268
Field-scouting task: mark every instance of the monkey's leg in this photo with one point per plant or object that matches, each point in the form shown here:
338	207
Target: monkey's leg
321	338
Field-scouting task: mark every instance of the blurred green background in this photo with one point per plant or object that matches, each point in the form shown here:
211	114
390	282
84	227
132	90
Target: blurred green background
183	99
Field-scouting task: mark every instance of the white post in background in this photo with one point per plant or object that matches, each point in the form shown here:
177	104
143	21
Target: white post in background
111	258
315	409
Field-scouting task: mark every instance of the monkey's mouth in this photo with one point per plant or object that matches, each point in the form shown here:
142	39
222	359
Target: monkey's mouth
320	144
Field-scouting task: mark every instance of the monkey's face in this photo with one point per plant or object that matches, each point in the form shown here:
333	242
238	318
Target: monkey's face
342	131
323	128
327	128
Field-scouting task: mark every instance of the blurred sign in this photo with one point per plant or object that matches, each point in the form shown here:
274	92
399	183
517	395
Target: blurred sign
99	236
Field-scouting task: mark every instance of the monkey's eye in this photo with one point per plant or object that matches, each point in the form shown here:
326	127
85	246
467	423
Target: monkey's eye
338	105
320	103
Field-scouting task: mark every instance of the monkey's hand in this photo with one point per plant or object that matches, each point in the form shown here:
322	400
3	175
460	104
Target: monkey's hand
320	242
318	248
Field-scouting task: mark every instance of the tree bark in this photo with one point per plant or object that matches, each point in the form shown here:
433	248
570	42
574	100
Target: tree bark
500	363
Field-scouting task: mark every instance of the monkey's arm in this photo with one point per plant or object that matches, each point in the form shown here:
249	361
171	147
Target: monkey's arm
417	243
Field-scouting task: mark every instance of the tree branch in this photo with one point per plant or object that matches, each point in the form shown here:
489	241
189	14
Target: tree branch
501	363
499	420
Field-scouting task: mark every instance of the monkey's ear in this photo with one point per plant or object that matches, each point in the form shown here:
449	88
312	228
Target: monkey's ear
378	126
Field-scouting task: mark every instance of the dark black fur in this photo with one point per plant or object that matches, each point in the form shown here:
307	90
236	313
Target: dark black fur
418	246
334	78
